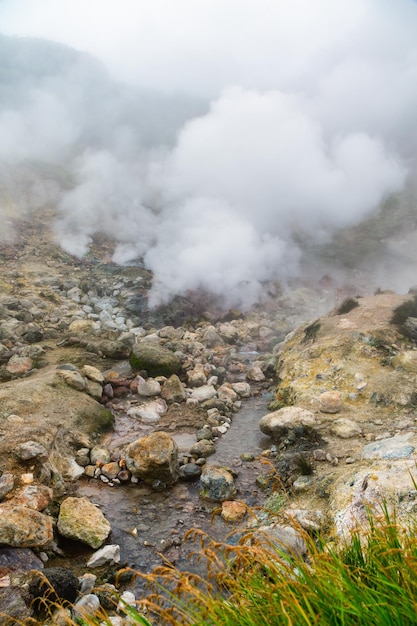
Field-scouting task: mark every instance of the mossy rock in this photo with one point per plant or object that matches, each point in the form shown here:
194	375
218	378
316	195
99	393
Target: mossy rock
155	359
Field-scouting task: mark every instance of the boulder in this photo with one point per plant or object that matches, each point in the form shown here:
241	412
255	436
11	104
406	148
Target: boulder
155	359
217	484
290	421
345	428
154	458
173	390
331	402
22	527
80	519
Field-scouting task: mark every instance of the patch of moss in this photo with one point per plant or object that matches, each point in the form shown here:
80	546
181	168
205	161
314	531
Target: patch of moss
284	396
311	331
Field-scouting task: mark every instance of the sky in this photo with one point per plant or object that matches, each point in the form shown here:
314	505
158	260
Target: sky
307	125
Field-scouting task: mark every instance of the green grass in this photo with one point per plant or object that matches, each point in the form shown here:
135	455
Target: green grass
370	580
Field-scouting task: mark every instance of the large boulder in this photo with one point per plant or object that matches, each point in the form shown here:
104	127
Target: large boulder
289	422
155	359
22	527
80	519
154	459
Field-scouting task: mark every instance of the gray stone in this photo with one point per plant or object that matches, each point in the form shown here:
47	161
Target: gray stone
392	448
173	390
155	359
345	428
203	393
31	450
217	484
203	448
6	484
279	424
107	555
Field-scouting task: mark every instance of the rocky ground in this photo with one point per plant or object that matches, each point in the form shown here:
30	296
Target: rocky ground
97	389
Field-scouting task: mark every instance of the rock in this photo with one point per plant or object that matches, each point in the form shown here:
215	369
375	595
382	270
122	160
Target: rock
73	379
154	457
190	472
107	555
6	484
285	538
99	455
203	393
173	390
155	359
406	359
36	497
81	327
22	527
310	521
302	483
92	373
149	387
331	402
31	450
204	433
19	365
15	561
203	448
95	390
226	394
211	338
116	350
86	608
290	420
217	484
398	447
110	470
13	605
81	520
197	376
54	585
345	428
233	510
256	374
242	389
150	412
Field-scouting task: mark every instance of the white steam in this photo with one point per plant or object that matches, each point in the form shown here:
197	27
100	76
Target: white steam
310	127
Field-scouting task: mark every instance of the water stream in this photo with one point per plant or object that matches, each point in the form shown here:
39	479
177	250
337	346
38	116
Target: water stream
145	523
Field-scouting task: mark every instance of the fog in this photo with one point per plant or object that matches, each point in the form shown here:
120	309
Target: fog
209	139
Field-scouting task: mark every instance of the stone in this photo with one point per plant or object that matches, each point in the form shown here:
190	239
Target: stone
197	376
99	455
19	365
31	450
107	555
211	338
226	394
407	359
95	390
190	472
284	538
330	402
13	605
398	447
290	419
203	393
150	412
345	428
155	359
148	387
92	373
256	374
80	519
233	510
153	457
81	327
36	497
217	484
22	527
242	389
54	585
73	379
203	448
6	484
110	470
86	608
173	390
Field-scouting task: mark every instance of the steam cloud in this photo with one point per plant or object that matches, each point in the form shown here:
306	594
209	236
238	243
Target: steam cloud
304	131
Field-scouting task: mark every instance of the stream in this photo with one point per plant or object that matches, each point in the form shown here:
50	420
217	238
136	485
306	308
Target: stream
146	523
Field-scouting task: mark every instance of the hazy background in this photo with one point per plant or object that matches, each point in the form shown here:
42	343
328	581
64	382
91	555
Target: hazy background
220	141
